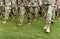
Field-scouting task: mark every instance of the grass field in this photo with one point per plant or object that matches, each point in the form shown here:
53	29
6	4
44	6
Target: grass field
33	31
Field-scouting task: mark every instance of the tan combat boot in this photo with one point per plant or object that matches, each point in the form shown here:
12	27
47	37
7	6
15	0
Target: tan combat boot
48	29
45	27
59	18
20	24
4	21
34	20
29	23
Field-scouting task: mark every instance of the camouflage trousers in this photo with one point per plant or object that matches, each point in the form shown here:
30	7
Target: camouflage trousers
49	17
58	11
50	14
22	14
32	12
6	13
2	11
12	13
40	11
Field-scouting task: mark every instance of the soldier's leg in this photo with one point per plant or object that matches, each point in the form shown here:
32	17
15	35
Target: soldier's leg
48	22
36	12
22	13
48	19
29	18
41	12
12	14
58	14
2	12
29	15
53	16
6	15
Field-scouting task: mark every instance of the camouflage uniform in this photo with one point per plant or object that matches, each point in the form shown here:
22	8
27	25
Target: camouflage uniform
1	8
41	8
1	4
13	9
7	10
58	3
22	12
49	14
34	8
18	4
29	10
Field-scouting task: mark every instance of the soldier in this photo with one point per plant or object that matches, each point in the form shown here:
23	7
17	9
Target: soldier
49	15
22	11
7	10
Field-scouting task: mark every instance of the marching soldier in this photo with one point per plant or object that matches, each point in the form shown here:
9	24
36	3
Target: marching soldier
49	14
7	10
22	11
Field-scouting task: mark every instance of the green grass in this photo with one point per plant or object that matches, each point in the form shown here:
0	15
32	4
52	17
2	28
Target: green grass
33	31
